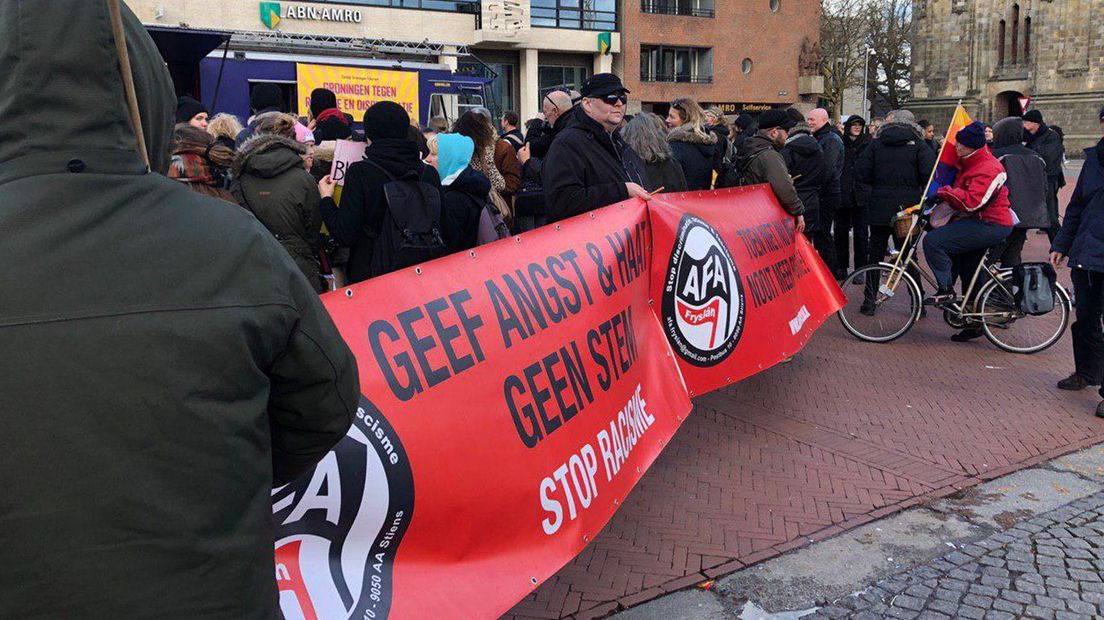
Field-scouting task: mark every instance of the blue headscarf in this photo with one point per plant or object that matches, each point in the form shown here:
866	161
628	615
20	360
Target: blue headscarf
454	153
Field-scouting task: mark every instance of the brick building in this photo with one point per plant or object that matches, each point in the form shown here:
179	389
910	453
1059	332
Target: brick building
739	54
992	53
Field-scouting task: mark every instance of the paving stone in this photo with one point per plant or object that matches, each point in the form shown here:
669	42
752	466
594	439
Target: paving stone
1049	602
1083	575
932	615
974	613
1009	606
1064	594
919	591
984	590
1017	597
998	615
947	607
1081	607
983	602
1039	612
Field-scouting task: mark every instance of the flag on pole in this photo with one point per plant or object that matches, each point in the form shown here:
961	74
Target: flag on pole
944	171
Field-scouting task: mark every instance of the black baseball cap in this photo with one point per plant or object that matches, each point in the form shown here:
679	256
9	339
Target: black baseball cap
602	84
774	118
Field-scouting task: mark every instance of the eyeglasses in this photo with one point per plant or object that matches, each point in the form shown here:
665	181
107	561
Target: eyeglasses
615	99
677	103
551	103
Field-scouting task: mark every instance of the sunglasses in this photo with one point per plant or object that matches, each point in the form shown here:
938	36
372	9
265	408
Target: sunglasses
615	99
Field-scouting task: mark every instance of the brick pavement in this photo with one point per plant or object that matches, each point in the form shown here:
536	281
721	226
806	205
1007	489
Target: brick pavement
847	433
1047	567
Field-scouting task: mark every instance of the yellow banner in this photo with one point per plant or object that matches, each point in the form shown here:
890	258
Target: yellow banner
357	88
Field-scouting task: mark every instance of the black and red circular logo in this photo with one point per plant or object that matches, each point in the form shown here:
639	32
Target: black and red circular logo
703	300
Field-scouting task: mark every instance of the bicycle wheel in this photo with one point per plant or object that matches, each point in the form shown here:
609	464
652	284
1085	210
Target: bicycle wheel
1015	331
875	312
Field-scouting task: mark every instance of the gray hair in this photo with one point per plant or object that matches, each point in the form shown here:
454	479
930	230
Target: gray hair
481	111
646	133
901	116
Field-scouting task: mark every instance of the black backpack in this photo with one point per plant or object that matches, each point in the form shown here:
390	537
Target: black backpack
411	231
1035	283
733	174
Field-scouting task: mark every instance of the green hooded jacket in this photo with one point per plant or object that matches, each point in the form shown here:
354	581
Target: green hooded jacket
163	363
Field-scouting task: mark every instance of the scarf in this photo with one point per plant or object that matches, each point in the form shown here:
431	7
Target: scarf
332	113
486	165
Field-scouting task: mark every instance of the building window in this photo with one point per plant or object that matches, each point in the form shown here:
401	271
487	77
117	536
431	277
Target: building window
1027	38
1015	33
574	14
550	78
1000	42
746	66
452	6
659	63
775	5
697	8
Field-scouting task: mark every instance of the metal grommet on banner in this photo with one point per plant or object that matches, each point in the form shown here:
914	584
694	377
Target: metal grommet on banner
615	502
534	580
592	215
650	301
418	270
557	226
518	239
349	293
471	253
586	538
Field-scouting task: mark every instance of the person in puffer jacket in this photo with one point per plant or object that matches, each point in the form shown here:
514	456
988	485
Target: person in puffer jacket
1081	239
980	201
693	145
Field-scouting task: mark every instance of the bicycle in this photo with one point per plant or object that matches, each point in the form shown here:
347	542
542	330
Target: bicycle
885	314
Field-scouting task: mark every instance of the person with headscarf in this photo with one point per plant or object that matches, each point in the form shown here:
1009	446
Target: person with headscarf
465	191
191	112
166	364
390	155
328	122
200	163
1027	185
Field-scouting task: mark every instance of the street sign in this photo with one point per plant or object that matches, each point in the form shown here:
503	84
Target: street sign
1024	103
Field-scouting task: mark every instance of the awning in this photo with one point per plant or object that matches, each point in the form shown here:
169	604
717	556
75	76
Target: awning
185	46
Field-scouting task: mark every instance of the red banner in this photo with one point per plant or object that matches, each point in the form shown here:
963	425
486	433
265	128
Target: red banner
514	394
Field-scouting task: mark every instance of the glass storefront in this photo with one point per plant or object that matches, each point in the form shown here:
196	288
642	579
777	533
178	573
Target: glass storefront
502	92
556	77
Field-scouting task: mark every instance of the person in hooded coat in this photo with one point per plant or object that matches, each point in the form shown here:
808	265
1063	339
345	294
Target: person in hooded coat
896	167
805	163
167	365
328	122
360	218
465	191
271	181
851	228
1027	185
693	145
1048	144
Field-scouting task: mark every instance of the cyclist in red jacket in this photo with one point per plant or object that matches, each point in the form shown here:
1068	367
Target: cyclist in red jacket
982	215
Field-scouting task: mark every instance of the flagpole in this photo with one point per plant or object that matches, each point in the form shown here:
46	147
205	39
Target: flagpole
935	167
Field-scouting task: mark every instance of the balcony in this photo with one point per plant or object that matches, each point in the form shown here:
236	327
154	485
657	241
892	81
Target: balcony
694	8
670	77
598	15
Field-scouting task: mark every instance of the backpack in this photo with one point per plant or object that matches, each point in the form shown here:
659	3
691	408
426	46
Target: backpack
411	231
1035	283
732	174
492	226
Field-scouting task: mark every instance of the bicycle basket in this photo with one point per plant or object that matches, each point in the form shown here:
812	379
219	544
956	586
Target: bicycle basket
905	222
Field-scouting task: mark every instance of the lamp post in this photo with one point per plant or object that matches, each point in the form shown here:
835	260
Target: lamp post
866	80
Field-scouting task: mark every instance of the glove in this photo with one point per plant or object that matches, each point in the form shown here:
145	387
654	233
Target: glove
931	201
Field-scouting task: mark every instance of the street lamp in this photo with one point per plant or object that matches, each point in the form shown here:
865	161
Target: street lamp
866	80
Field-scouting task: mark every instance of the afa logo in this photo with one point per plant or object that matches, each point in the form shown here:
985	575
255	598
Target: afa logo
339	526
703	300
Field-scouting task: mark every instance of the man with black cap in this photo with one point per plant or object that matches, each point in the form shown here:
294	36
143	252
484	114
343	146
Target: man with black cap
589	165
1082	240
265	97
759	160
979	196
359	220
192	112
328	122
1048	144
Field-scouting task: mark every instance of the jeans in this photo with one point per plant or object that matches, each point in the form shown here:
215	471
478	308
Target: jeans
1087	332
959	237
850	220
822	239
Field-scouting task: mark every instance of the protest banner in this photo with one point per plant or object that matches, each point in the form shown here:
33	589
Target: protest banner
346	153
357	88
513	395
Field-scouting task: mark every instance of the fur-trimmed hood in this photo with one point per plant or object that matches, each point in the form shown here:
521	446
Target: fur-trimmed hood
688	135
268	155
897	128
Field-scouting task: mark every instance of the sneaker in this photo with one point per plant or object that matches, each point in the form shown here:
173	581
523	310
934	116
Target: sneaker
868	308
968	334
1076	382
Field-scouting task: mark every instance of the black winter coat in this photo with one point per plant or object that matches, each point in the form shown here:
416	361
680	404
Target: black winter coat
696	153
333	129
853	194
462	203
363	204
540	138
1081	237
666	173
165	364
722	149
587	168
1026	184
805	163
896	166
832	145
1048	144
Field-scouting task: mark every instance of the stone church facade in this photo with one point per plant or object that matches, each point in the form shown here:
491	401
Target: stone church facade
991	53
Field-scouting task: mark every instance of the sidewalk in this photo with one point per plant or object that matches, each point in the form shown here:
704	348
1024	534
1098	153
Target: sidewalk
1030	544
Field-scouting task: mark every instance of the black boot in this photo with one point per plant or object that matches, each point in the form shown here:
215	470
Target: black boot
968	334
1076	382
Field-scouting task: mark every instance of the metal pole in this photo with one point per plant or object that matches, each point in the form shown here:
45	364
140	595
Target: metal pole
866	80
